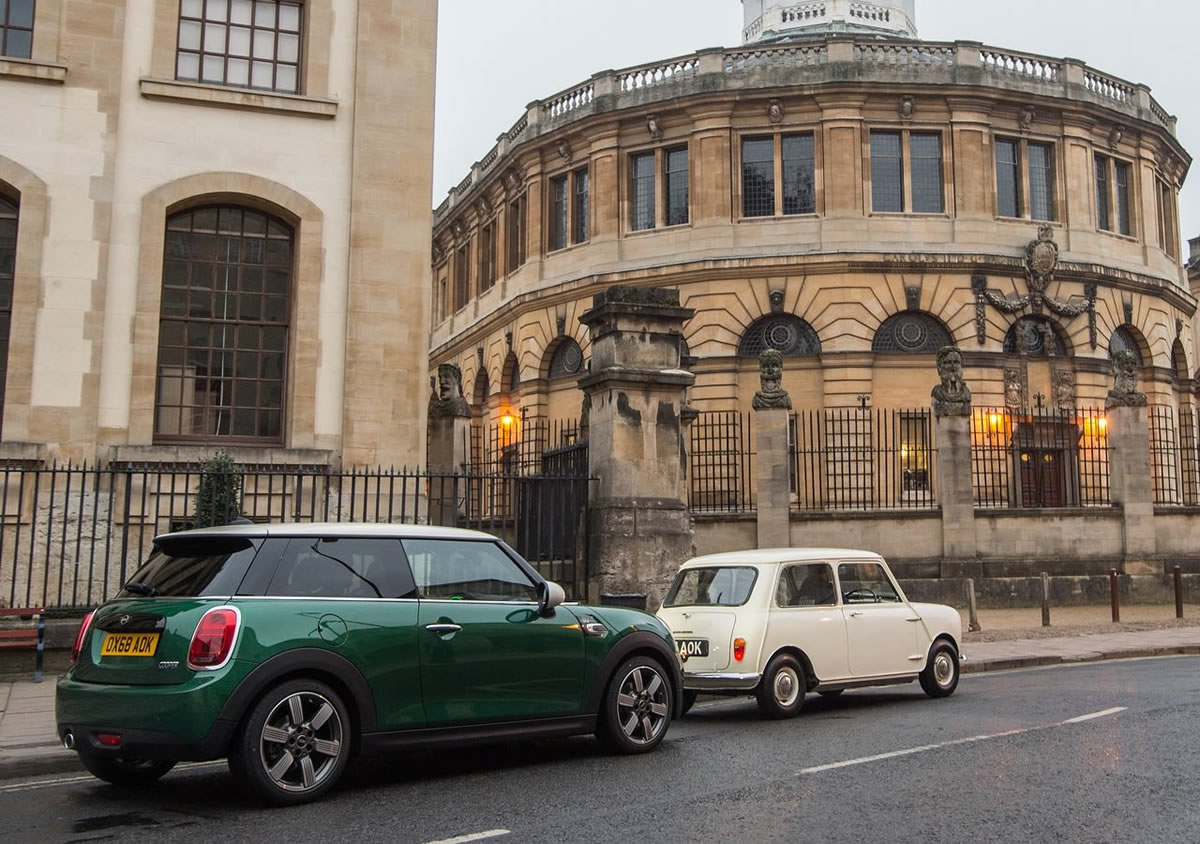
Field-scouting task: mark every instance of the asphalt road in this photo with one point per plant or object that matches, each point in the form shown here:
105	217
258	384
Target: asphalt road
1004	759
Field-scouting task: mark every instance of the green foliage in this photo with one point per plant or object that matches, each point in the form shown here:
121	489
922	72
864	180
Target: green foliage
219	497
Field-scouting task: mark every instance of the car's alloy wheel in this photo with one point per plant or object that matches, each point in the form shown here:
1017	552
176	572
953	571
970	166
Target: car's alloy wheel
940	677
294	744
781	690
637	707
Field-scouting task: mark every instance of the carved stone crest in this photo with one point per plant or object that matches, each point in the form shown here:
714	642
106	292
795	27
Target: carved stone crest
770	371
439	252
458	229
951	397
564	149
450	402
1124	392
775	297
513	180
907	108
912	298
1027	117
654	127
1016	387
1114	137
1041	259
775	111
483	207
1062	384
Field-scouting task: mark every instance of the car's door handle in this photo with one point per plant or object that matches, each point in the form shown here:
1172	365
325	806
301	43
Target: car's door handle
914	620
856	614
443	629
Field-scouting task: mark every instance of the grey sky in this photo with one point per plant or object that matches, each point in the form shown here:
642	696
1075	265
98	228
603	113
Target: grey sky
495	57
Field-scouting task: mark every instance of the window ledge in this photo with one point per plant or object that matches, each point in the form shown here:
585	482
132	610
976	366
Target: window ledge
267	457
223	97
32	71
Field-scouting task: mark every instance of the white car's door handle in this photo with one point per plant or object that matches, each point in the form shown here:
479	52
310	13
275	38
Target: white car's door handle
918	618
856	614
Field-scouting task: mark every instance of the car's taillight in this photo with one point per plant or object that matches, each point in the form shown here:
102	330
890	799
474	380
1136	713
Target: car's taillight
83	629
212	642
739	649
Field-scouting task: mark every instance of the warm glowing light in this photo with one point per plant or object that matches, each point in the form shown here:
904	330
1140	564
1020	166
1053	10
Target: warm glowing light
994	420
903	452
506	420
1103	424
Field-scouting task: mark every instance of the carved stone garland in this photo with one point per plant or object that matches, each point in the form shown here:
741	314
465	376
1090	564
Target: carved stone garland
1041	260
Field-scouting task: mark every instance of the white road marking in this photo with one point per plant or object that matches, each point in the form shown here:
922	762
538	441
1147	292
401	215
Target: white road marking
1090	716
33	786
475	836
878	757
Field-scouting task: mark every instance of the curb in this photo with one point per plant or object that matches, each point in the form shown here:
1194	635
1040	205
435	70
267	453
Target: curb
48	759
1009	663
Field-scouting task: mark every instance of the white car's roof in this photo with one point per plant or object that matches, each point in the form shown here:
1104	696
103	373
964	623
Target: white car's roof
346	529
767	556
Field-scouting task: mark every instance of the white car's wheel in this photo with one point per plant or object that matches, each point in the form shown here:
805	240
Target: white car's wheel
940	677
781	690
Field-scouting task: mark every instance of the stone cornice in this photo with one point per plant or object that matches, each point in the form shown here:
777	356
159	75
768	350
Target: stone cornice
24	70
221	97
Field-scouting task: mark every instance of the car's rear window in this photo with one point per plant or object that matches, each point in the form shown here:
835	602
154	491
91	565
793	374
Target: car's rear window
719	586
192	568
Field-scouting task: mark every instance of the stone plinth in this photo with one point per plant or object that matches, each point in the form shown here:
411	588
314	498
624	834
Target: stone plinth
640	528
449	452
955	492
771	474
1129	463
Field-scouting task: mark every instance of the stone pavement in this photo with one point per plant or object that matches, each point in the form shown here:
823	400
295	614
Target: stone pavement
28	746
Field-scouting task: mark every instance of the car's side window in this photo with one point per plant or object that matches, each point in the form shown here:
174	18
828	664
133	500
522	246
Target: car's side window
866	583
463	570
806	585
342	567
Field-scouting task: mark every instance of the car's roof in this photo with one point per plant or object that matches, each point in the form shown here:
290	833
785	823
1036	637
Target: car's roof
339	529
766	556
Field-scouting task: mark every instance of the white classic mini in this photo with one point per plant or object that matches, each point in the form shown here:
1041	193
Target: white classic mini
781	623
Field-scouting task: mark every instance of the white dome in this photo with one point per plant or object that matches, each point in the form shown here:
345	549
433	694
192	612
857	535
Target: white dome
768	20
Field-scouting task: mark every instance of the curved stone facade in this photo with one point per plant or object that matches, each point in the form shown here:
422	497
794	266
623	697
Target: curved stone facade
839	186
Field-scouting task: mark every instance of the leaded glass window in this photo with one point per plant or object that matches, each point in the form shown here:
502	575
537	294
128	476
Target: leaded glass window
677	186
240	43
642	192
516	233
758	177
1102	202
1041	181
799	191
462	277
487	255
1008	179
223	334
928	193
1121	181
1030	334
8	268
580	210
558	213
887	172
1122	340
789	334
567	361
910	334
16	31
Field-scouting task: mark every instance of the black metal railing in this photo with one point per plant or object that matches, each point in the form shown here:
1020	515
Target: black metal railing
71	535
720	457
1040	458
1173	456
863	459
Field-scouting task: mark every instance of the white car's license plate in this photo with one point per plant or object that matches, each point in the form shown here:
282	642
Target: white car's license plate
693	647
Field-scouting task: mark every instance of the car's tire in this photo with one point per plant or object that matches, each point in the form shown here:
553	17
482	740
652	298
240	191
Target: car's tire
121	771
940	676
637	705
781	691
294	744
830	692
689	700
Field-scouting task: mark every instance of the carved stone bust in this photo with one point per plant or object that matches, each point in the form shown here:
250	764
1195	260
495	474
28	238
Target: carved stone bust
770	371
451	402
952	397
1124	392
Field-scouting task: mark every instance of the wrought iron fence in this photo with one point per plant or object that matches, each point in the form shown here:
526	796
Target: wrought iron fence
71	535
1040	458
1173	456
863	459
515	445
720	477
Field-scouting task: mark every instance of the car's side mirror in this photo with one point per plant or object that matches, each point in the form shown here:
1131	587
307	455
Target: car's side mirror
550	595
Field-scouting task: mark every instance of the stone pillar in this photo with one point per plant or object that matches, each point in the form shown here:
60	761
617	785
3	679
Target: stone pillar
771	459
640	526
449	447
951	401
1129	464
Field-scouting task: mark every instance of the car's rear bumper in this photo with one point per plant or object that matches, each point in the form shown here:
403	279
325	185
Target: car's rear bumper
719	681
147	744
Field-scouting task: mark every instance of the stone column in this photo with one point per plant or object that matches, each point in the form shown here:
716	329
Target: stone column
449	447
640	526
955	492
771	459
1129	464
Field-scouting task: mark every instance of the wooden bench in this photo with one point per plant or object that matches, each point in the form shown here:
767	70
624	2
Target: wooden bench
26	637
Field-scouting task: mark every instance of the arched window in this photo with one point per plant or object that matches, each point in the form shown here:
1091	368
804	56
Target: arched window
1124	340
482	388
223	334
511	376
8	262
911	333
1179	363
567	361
1030	334
787	333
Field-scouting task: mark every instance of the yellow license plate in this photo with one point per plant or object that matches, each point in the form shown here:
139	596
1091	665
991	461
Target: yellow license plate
129	644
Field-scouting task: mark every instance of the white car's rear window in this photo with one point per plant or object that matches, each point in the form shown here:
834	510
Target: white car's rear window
719	586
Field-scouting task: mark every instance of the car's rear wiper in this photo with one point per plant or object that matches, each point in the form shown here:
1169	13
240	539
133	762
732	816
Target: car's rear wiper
141	589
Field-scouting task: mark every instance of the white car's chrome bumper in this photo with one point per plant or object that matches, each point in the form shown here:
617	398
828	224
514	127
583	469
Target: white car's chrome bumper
719	681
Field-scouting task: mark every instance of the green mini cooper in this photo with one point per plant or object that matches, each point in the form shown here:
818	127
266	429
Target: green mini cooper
290	648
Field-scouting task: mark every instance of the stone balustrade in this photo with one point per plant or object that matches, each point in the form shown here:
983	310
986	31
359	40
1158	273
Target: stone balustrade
1021	65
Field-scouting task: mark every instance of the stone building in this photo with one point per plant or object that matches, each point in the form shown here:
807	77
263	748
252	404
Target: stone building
856	198
214	229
